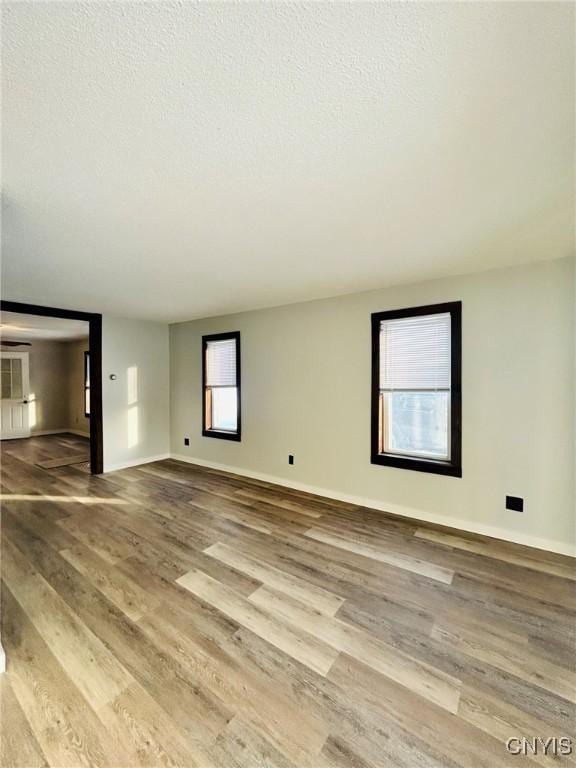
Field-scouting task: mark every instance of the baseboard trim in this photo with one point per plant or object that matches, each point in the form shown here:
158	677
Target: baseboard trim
134	462
43	432
62	431
78	432
409	512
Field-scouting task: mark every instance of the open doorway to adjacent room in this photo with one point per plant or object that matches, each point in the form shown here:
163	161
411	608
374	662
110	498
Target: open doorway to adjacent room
51	393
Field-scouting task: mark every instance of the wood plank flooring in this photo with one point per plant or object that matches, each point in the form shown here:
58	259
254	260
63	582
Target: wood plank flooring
170	615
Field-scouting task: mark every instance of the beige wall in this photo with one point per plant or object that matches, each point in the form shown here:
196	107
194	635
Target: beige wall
75	361
136	417
48	364
56	385
306	391
136	414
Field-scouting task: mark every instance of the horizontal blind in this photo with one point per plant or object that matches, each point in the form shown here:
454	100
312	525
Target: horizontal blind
221	363
415	353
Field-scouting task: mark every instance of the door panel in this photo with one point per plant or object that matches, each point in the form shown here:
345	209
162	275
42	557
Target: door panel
14	391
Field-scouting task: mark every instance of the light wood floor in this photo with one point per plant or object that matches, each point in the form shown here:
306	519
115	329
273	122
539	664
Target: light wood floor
174	616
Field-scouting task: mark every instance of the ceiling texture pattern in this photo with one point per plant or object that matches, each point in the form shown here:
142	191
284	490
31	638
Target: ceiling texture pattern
16	326
177	160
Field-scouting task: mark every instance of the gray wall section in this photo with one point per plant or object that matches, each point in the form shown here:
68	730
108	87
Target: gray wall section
306	391
136	408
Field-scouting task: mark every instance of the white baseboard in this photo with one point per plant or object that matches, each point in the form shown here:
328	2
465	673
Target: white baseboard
62	431
134	462
42	432
395	509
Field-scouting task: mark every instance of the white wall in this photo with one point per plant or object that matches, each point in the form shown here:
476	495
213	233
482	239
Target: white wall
306	391
136	405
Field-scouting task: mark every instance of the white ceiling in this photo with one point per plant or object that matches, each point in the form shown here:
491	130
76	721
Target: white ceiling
20	327
176	160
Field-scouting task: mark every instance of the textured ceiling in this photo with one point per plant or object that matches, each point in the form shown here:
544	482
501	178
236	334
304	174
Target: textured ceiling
175	160
15	326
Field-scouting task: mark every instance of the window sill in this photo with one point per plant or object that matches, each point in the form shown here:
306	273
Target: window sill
417	464
221	435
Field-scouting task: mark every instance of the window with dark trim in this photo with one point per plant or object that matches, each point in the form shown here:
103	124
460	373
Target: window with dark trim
221	415
417	389
86	384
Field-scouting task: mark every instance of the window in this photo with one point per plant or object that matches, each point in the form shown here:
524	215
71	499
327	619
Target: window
86	384
221	385
416	388
12	378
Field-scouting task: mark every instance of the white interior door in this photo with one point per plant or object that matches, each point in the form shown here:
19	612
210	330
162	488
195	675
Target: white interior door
15	390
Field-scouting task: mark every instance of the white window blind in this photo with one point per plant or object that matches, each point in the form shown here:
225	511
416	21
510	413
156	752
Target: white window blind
221	363
415	353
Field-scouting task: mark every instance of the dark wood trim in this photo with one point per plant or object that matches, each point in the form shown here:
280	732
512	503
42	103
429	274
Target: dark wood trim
219	434
453	467
95	344
86	382
35	309
456	387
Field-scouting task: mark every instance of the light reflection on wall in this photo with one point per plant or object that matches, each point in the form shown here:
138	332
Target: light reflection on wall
132	400
132	380
32	415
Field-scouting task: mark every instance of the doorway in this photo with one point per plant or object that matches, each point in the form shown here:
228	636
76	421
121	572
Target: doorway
15	389
19	407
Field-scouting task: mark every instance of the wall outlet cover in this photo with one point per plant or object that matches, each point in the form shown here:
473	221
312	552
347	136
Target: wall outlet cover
515	503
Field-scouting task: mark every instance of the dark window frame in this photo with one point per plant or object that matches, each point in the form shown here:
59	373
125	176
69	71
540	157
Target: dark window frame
86	381
219	433
453	467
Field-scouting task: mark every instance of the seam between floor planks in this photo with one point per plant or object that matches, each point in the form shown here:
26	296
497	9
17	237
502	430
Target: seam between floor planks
395	644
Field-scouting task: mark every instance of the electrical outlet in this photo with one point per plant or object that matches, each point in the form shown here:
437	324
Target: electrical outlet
290	459
186	441
515	503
